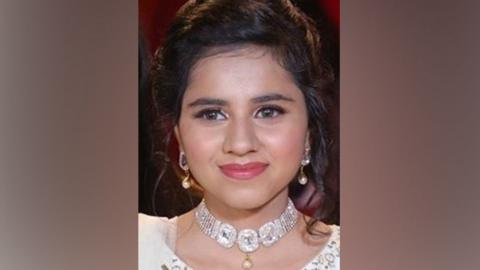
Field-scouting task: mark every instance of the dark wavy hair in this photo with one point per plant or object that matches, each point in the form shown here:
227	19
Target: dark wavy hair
227	25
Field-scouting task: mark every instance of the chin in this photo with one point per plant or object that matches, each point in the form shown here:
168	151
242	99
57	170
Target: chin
248	200
246	203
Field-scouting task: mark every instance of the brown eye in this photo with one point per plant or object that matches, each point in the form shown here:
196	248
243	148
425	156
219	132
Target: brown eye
211	115
269	112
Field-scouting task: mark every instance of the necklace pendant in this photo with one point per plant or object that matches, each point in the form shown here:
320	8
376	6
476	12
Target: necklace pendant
247	262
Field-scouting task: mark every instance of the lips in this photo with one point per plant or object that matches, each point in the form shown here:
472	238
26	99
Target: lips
243	171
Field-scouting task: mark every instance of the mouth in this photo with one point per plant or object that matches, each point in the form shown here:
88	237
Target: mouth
243	171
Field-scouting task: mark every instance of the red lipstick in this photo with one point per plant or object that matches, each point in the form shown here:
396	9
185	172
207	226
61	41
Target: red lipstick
243	171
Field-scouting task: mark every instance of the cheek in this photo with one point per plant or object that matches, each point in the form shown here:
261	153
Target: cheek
200	144
286	144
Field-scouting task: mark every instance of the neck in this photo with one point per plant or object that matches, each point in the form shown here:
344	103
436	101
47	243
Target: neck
247	216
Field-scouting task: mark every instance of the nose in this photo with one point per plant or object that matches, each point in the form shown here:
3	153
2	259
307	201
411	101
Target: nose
241	137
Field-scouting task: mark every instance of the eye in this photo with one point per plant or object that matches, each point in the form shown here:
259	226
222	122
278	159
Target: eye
269	112
211	115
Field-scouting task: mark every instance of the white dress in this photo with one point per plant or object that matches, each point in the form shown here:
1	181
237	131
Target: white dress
156	243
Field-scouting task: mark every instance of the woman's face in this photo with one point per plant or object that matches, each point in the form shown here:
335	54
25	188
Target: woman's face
243	127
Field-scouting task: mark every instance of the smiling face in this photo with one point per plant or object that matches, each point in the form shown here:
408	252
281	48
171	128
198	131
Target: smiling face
243	127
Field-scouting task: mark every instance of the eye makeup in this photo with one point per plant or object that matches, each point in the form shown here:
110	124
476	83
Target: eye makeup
211	114
269	111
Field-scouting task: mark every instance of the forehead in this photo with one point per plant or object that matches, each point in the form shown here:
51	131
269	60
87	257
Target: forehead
246	71
234	58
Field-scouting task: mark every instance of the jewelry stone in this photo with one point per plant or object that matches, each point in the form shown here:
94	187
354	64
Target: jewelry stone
306	159
226	235
268	234
248	240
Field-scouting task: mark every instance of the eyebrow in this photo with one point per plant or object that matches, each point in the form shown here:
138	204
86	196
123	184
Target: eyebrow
221	102
271	97
208	101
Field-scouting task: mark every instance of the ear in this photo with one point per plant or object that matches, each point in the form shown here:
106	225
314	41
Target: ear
177	136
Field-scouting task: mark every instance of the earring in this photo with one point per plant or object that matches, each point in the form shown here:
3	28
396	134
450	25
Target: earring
302	178
182	162
186	182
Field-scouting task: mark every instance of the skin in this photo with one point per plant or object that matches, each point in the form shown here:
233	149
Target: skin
241	107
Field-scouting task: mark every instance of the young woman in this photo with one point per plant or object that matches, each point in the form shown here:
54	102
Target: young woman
241	84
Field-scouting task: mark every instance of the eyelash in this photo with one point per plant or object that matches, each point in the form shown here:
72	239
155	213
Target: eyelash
277	111
207	114
204	114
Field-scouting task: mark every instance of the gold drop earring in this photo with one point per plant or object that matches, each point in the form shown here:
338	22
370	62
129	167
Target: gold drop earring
182	162
302	178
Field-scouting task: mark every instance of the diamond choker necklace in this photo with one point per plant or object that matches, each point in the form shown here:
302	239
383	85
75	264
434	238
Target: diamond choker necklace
248	240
